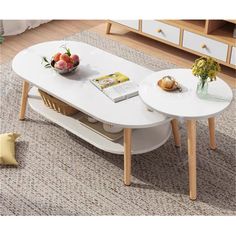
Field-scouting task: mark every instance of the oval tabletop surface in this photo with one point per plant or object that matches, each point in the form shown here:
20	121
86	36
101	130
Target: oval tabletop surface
185	104
76	89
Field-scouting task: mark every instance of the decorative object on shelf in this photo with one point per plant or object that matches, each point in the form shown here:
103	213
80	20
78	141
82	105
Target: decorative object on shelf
62	62
97	127
168	83
112	128
92	120
206	69
57	104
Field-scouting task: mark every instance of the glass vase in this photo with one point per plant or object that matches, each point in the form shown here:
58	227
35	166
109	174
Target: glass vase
202	88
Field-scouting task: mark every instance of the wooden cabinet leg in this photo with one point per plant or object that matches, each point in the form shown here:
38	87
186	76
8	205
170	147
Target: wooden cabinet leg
127	155
191	128
211	124
108	29
175	131
24	97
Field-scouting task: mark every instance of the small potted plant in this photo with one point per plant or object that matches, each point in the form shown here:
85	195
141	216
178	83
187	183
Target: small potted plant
206	69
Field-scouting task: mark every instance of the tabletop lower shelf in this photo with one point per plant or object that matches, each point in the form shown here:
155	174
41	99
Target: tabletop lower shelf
143	139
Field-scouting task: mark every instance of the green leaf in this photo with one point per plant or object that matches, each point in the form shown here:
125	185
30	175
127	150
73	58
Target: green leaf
44	59
68	52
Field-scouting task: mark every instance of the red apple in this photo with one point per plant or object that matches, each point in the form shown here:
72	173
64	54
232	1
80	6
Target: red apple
61	65
56	57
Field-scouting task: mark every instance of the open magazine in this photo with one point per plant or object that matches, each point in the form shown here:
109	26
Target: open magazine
116	86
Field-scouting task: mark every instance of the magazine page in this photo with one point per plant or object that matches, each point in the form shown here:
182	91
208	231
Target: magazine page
109	80
116	86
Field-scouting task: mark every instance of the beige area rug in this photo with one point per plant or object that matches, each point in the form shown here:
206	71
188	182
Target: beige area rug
60	174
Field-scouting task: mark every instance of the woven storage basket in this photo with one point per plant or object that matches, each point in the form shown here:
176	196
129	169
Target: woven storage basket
57	104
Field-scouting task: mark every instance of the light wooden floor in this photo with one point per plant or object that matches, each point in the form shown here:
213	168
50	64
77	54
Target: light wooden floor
61	28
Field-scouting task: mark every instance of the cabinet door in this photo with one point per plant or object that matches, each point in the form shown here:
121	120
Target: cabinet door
205	45
134	24
233	56
161	30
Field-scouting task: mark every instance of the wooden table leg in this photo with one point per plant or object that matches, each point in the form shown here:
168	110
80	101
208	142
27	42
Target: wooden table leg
24	97
211	124
175	131
108	29
191	127
127	155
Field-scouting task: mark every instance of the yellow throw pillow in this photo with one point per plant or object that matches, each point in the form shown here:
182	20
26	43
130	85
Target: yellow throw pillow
7	149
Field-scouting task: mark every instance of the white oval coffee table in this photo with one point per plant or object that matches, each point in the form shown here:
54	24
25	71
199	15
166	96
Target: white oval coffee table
187	105
149	130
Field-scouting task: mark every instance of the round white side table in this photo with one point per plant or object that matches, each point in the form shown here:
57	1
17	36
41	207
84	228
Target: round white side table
188	106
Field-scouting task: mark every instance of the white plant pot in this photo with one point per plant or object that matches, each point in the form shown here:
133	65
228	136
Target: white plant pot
112	128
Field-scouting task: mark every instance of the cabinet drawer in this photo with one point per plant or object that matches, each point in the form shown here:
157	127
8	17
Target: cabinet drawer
161	30
130	23
233	56
205	45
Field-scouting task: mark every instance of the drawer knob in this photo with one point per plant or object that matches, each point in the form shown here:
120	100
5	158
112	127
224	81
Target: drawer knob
203	45
159	30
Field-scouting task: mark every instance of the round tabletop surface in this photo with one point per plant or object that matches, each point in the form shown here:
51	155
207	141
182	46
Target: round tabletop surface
185	104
